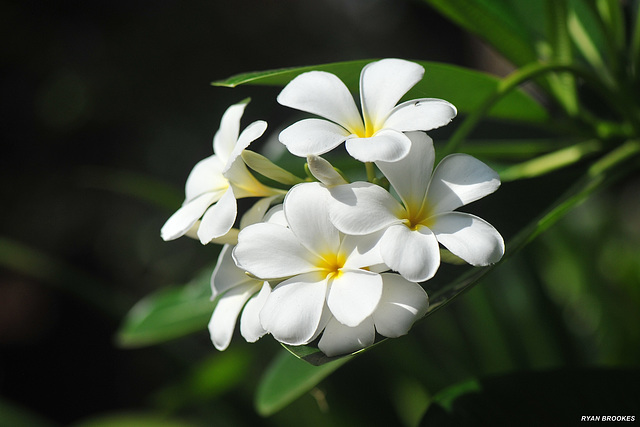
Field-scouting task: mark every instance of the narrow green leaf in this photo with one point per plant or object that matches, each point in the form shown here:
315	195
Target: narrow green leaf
287	378
168	314
266	167
465	88
499	23
133	420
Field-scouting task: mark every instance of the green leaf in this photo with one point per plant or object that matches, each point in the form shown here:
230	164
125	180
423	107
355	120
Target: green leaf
168	314
465	88
287	378
12	415
510	26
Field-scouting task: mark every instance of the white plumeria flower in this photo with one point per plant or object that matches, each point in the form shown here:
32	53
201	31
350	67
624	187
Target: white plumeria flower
216	182
237	292
426	216
329	279
375	135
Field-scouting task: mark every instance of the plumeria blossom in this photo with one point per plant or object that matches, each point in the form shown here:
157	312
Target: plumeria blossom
237	292
329	281
426	214
216	182
377	134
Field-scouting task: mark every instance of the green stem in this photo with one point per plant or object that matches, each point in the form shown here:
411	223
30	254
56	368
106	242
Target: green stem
371	172
512	81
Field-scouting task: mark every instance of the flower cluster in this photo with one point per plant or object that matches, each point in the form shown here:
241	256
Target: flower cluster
332	262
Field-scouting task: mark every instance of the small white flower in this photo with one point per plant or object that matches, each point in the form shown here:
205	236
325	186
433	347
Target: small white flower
426	216
375	135
328	279
216	182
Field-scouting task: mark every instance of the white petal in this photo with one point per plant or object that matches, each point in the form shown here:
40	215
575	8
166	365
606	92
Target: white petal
219	218
294	308
250	134
339	339
421	114
271	251
275	215
353	295
402	303
383	83
205	177
469	237
223	320
324	94
361	251
185	217
227	275
225	138
410	175
387	145
460	179
324	172
307	212
412	253
363	208
313	136
256	213
250	326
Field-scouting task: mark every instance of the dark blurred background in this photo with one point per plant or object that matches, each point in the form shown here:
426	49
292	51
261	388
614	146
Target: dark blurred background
106	107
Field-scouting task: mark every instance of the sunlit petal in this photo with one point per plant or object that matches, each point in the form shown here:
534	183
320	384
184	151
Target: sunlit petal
257	212
294	308
225	314
225	138
250	326
387	145
227	275
313	136
307	212
324	172
219	218
205	177
421	114
361	251
412	253
272	251
185	217
382	84
460	179
402	303
353	295
363	208
469	237
248	135
338	339
410	175
324	94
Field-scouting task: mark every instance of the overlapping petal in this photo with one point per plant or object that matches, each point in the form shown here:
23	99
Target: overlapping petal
382	84
225	138
225	314
339	339
248	135
324	94
293	310
185	217
469	237
219	218
313	136
353	295
401	304
363	208
387	145
414	254
272	251
205	177
305	207
226	274
410	176
421	114
250	327
460	179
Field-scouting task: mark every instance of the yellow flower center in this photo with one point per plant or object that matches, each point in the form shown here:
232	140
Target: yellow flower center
331	264
415	219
